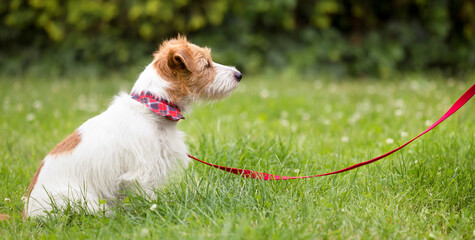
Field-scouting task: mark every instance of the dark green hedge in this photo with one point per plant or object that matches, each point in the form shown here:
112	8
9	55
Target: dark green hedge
360	37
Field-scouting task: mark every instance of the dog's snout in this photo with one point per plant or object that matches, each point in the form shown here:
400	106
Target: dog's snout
238	75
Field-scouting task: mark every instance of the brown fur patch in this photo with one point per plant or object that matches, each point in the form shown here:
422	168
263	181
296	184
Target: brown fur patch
32	185
65	146
68	144
34	180
186	66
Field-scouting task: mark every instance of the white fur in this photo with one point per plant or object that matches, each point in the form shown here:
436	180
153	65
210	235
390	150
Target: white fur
126	145
150	81
223	83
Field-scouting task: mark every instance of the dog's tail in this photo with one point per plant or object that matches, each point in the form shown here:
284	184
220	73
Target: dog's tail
4	217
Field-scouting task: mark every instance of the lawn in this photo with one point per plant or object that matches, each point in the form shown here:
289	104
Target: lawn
285	125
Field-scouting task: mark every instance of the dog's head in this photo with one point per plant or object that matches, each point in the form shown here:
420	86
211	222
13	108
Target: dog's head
191	72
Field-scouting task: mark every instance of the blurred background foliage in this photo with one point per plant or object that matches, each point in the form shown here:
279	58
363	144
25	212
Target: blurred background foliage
359	37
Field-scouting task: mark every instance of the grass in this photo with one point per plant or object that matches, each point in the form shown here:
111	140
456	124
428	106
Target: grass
282	125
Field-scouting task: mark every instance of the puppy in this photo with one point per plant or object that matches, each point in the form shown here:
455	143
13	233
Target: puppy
135	141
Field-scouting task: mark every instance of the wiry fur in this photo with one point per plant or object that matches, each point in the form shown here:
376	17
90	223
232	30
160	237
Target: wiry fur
128	144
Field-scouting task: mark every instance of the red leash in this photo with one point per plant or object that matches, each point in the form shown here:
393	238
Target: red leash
266	176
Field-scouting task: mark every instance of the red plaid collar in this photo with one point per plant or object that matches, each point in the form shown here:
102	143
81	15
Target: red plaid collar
159	106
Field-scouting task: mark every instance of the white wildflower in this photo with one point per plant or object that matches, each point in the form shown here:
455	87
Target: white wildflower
284	114
6	104
7	200
297	171
293	129
37	104
30	117
404	134
23	199
264	93
399	103
354	118
345	139
284	122
144	232
389	141
153	207
428	123
333	88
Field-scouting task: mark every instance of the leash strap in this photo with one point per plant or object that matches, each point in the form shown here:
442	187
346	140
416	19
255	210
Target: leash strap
267	176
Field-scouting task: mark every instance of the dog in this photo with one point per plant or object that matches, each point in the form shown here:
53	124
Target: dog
134	142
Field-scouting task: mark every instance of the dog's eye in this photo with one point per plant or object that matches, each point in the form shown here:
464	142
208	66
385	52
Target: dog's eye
208	65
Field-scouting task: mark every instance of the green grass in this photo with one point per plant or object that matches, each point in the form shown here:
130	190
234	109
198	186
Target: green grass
282	125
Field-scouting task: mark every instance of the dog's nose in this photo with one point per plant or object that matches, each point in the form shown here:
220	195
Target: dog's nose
238	76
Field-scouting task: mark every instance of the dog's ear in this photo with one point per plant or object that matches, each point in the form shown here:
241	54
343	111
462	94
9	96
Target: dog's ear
181	59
